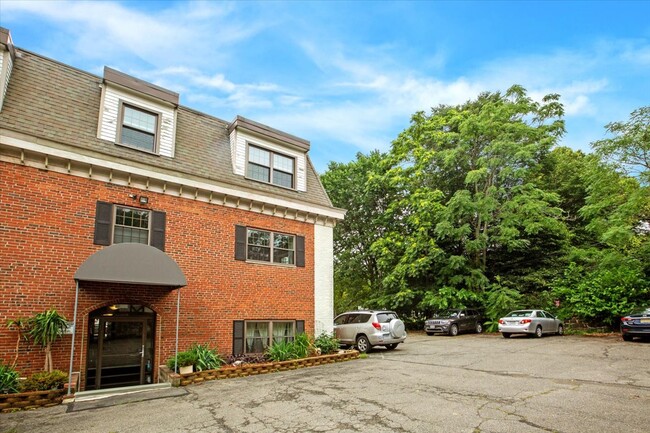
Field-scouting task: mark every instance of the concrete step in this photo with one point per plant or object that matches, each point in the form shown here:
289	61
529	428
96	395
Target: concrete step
96	394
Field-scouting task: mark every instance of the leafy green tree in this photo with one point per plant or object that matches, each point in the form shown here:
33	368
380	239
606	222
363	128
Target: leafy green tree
608	276
630	146
358	187
466	198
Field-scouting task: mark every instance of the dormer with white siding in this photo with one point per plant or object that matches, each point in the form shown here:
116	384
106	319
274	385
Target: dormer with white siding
7	56
137	114
266	155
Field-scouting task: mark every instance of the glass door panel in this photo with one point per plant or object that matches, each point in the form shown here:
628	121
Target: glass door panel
121	349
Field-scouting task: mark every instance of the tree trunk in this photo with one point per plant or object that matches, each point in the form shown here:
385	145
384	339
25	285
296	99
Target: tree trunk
48	359
17	351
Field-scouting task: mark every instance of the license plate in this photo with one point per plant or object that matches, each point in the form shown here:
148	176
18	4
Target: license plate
644	320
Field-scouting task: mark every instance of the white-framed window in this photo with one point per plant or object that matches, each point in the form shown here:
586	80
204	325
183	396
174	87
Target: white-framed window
260	334
266	246
131	225
270	167
138	128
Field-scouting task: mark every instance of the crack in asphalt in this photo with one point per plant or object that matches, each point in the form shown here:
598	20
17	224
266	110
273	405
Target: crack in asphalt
522	375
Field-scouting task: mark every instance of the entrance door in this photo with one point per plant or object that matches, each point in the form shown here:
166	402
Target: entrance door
120	351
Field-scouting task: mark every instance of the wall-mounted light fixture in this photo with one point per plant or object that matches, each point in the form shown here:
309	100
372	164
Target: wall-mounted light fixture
144	200
133	196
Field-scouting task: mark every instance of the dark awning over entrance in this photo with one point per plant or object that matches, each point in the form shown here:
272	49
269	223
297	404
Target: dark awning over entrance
134	264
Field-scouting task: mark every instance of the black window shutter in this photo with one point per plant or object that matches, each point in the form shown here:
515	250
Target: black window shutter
300	327
300	251
158	221
238	337
240	243
103	222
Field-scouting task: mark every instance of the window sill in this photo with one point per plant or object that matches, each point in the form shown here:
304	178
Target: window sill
281	265
270	184
139	149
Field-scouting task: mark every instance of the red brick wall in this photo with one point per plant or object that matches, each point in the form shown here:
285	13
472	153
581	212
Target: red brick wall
46	231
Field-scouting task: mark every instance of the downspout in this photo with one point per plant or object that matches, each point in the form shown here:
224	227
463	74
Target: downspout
178	312
74	332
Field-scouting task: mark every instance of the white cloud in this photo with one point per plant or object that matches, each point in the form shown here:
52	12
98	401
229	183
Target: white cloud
360	95
193	32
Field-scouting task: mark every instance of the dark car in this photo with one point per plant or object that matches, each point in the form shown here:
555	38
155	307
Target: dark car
636	325
454	321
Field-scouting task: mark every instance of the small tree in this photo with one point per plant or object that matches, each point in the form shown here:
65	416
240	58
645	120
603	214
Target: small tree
20	325
45	328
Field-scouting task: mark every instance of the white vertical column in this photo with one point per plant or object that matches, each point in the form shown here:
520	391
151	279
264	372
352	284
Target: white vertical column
323	279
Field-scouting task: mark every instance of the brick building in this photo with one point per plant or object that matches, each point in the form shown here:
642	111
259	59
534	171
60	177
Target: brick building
154	225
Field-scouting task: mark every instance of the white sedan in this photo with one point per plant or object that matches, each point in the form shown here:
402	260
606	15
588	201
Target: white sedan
533	322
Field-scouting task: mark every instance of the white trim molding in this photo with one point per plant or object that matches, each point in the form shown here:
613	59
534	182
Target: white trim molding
38	153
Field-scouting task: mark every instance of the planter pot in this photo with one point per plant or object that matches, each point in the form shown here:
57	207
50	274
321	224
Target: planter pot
186	370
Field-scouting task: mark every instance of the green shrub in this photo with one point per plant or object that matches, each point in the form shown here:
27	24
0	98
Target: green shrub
8	380
185	359
44	381
300	347
326	343
281	351
206	358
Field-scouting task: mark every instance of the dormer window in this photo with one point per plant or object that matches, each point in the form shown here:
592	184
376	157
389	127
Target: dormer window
137	114
271	167
138	128
264	154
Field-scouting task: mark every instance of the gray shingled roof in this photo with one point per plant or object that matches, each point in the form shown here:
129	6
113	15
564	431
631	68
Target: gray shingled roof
57	102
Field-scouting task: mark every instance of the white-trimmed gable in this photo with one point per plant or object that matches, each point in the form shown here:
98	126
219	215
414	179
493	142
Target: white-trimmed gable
245	133
7	53
118	90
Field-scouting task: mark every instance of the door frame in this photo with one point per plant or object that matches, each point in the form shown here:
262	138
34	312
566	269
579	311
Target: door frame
100	344
147	343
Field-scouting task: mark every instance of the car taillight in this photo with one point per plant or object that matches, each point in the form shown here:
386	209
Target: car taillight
626	319
501	321
524	321
377	325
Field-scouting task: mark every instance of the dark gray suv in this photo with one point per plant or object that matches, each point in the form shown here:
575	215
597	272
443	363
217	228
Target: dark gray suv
454	321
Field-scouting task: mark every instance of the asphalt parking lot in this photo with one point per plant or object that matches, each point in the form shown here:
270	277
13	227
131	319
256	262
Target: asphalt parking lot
469	383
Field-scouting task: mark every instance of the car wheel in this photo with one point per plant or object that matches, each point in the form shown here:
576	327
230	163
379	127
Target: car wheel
363	345
627	337
538	332
479	328
391	346
431	333
453	330
506	334
560	330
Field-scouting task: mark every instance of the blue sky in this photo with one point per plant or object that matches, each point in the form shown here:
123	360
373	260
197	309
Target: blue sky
348	75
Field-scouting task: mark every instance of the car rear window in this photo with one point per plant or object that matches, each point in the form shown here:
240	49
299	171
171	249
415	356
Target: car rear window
386	317
520	314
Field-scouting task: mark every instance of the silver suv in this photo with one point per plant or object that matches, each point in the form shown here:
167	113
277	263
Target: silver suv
365	329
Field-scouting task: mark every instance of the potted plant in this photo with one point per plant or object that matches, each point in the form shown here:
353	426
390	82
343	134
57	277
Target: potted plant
184	361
